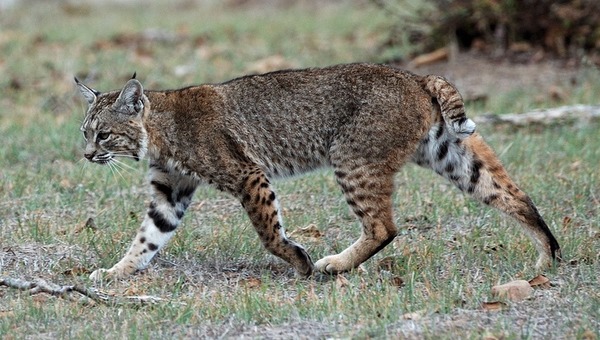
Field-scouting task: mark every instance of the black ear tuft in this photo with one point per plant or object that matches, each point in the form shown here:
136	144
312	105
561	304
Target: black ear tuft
134	74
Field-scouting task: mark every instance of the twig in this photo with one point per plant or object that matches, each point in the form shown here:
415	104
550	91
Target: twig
42	286
544	116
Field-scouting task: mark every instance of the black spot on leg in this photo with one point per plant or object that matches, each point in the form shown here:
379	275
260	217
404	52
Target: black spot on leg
443	150
455	178
185	193
142	240
272	196
440	131
166	190
264	185
490	199
152	247
164	225
475	167
449	168
255	182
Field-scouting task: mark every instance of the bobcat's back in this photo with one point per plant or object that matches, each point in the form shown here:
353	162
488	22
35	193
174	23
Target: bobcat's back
289	122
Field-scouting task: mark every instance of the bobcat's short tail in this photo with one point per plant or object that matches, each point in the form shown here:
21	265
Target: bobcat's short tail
451	105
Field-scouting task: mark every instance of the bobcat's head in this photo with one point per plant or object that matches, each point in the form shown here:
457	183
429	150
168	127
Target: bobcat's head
113	125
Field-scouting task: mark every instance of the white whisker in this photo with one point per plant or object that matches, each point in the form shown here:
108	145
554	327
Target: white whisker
114	169
123	166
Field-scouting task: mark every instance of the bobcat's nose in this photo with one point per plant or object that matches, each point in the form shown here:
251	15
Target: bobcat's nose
89	155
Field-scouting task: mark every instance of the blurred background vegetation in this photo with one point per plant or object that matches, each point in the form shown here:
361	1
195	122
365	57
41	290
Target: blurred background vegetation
528	29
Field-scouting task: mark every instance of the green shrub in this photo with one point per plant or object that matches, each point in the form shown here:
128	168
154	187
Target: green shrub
564	28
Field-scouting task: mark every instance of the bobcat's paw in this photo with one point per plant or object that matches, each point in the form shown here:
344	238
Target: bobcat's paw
107	274
100	275
333	264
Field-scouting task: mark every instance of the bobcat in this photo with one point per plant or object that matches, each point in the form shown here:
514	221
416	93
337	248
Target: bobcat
363	120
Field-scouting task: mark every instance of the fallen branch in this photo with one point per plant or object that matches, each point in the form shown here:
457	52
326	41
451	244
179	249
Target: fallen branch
42	286
544	116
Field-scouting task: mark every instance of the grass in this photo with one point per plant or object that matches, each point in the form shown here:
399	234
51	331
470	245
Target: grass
215	277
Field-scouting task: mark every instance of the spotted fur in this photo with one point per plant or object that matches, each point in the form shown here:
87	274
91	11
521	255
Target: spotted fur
364	121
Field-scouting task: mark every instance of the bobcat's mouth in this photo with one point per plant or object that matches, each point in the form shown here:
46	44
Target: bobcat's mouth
102	159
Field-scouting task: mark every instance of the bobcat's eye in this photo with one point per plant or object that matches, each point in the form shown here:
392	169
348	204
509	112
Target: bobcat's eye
102	136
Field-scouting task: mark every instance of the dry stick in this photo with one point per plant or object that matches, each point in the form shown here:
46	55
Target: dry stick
544	116
42	286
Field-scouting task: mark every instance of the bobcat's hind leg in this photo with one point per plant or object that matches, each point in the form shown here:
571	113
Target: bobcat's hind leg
171	195
473	167
262	207
368	192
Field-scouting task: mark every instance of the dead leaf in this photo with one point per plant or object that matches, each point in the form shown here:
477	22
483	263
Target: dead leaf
567	221
386	263
76	271
310	231
430	58
493	306
416	315
588	335
397	281
341	281
89	224
517	290
133	291
489	336
65	184
6	313
41	298
250	283
540	281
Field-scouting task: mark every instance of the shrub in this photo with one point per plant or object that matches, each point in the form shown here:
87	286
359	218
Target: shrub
563	28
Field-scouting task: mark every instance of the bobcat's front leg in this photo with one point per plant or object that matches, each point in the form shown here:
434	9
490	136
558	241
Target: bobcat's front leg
171	195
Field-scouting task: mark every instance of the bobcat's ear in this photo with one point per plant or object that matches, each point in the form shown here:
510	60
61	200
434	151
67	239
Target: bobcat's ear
89	93
131	98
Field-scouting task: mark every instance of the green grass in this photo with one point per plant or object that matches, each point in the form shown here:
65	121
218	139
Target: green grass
215	277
